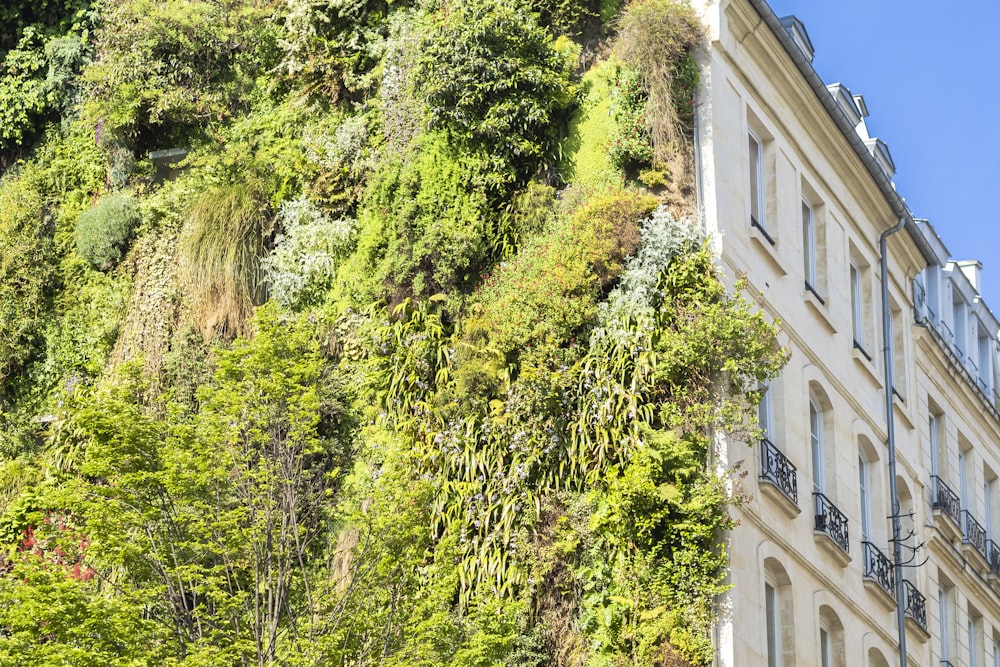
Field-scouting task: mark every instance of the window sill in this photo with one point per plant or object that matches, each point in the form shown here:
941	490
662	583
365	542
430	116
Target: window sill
946	525
784	503
768	247
832	548
921	634
887	601
865	361
820	307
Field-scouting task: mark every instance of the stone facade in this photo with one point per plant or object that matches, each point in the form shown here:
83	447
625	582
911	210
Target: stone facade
797	195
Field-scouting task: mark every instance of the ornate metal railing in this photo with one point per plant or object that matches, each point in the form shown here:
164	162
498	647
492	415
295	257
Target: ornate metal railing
973	533
947	500
778	470
879	568
831	521
915	605
993	551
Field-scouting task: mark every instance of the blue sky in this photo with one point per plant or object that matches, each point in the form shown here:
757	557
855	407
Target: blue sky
930	75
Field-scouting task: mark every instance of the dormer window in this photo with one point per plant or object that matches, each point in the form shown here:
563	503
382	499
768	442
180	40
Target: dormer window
797	31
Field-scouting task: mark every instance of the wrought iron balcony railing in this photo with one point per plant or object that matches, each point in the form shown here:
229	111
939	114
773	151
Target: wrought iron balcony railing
973	533
994	556
778	470
879	568
831	521
915	605
947	500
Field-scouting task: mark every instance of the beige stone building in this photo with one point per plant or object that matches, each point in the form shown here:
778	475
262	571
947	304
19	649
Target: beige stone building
798	196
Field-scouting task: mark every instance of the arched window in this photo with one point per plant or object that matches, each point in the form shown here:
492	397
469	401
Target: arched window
816	428
778	616
876	659
831	639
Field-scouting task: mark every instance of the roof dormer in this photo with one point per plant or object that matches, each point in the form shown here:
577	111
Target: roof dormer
797	31
847	103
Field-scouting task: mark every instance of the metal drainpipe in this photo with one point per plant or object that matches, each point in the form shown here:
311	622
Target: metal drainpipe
897	548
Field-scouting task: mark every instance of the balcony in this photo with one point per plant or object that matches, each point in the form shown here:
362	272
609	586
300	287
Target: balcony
993	553
831	526
879	570
974	540
780	474
946	503
915	608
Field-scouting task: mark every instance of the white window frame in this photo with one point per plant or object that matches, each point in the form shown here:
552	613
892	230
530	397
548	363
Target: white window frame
765	411
973	644
816	447
933	426
963	479
825	647
809	243
772	615
943	621
857	306
757	201
865	483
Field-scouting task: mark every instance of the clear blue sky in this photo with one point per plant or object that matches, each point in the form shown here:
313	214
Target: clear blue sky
930	75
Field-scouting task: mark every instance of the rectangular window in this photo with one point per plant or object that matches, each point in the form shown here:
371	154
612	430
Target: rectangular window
975	629
932	438
944	620
773	626
963	478
985	362
765	411
996	653
809	245
857	307
756	182
825	648
932	283
959	325
989	493
864	473
816	443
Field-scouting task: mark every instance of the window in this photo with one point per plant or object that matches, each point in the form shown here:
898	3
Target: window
778	617
765	411
932	281
945	620
933	435
773	626
825	648
964	456
896	329
857	307
959	323
975	629
831	638
816	445
989	498
756	181
996	653
809	245
985	378
865	482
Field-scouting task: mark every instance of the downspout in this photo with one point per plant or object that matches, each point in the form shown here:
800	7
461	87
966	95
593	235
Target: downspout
897	547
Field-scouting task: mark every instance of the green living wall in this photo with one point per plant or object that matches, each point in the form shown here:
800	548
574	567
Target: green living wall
417	356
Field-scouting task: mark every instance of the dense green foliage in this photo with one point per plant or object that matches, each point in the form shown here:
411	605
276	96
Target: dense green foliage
412	359
103	232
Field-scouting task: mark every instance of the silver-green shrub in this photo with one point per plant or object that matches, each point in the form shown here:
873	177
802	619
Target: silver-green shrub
104	231
306	254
